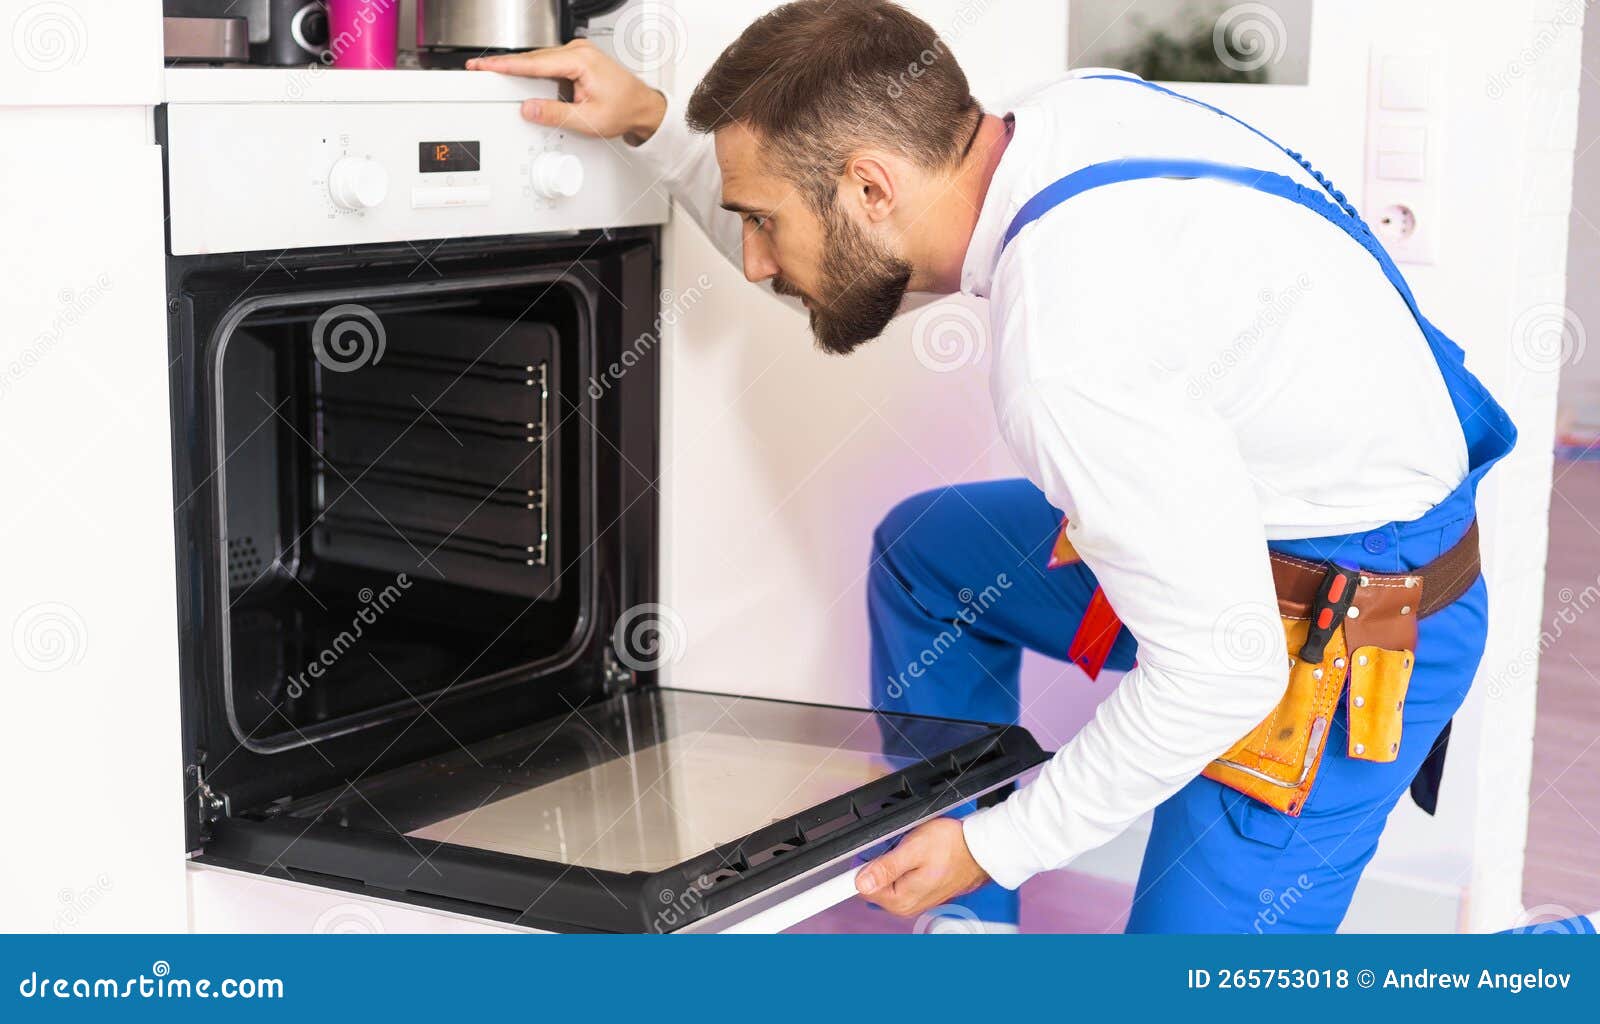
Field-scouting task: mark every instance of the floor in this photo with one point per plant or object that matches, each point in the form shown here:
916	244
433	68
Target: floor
1563	856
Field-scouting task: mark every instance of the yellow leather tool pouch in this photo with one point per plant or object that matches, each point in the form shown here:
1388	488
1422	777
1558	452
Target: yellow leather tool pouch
1378	681
1372	651
1277	761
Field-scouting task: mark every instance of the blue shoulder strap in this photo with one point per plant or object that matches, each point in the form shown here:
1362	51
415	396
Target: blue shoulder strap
1115	171
1489	431
1333	206
1321	179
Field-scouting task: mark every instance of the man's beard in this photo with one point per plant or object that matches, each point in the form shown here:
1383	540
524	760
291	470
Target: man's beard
862	287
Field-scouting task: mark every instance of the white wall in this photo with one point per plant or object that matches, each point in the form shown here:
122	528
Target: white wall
1580	376
89	746
781	461
80	53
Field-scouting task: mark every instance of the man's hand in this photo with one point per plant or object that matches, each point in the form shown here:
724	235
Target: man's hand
930	867
608	99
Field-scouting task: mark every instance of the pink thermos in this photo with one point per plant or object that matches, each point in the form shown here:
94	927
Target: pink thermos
363	33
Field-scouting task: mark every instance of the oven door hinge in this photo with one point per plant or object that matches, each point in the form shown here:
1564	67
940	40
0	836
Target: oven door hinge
616	677
213	803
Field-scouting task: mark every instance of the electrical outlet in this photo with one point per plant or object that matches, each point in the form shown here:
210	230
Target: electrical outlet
1404	151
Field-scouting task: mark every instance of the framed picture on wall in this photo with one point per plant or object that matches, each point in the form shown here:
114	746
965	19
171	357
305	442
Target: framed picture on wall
1266	42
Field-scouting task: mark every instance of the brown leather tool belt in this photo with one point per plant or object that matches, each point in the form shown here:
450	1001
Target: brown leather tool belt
1363	635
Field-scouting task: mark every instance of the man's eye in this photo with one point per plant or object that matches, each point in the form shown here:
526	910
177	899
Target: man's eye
759	223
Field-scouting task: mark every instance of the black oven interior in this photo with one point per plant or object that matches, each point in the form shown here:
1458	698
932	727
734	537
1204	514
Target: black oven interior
392	471
403	495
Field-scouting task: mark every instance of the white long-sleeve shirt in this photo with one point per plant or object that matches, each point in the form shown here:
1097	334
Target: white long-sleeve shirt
1187	369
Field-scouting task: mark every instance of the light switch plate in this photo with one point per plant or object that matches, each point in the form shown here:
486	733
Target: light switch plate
1404	150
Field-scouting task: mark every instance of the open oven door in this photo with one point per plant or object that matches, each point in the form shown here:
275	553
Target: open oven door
652	811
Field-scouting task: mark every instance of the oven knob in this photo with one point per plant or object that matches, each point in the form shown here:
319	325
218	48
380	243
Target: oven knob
556	175
356	183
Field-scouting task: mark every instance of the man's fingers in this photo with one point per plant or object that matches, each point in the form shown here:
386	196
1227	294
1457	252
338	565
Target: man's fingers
554	114
878	877
561	62
908	895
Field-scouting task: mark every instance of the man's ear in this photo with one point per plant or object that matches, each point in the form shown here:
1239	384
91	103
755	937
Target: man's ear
870	185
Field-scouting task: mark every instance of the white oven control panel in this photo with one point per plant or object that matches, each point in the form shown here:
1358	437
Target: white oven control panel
271	176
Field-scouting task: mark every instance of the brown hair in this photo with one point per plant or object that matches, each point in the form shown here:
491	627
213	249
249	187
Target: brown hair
820	80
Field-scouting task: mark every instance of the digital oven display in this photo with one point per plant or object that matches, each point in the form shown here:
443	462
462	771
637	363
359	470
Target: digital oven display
447	156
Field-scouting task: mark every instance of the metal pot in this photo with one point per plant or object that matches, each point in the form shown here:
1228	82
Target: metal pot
486	26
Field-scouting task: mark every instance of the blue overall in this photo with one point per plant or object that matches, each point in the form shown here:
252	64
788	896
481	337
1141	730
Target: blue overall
1216	860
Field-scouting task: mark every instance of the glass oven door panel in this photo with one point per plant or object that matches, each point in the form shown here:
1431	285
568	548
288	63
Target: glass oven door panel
644	812
650	809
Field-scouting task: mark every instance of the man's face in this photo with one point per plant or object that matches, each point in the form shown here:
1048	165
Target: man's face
849	281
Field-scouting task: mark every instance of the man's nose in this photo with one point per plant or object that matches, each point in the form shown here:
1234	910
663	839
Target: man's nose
758	262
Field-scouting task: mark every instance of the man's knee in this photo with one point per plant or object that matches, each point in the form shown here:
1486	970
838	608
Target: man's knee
902	528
